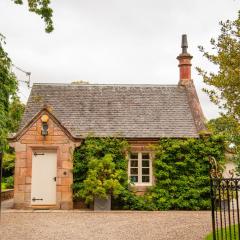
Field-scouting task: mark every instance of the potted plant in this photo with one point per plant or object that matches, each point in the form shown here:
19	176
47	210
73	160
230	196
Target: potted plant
101	183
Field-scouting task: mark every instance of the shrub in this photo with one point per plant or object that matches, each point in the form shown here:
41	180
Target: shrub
100	168
8	163
102	179
8	182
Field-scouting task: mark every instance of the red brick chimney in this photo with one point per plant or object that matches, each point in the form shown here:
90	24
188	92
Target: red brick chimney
187	83
184	63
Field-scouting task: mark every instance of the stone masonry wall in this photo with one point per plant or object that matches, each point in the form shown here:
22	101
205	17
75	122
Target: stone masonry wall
32	140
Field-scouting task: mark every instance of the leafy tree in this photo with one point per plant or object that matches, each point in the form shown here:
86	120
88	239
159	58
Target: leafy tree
8	81
12	120
8	89
225	55
11	108
16	109
41	8
229	128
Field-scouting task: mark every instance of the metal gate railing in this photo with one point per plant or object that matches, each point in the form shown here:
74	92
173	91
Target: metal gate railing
225	197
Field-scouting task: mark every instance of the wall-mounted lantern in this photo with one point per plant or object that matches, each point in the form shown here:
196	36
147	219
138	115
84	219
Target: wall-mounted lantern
44	120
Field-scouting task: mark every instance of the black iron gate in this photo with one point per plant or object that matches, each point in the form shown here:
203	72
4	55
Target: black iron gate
225	194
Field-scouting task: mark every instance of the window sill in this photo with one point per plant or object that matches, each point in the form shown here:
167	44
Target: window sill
141	185
139	189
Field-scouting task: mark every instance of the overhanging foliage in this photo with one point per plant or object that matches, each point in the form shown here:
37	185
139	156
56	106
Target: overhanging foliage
225	55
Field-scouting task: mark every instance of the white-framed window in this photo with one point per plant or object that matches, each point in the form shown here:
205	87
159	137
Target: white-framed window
140	168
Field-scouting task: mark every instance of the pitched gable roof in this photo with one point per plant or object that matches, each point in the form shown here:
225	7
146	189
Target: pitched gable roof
133	111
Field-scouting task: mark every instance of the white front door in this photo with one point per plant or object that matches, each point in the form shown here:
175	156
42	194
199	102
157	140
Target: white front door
44	170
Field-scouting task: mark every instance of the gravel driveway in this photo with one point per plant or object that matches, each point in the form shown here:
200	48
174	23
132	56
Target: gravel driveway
77	225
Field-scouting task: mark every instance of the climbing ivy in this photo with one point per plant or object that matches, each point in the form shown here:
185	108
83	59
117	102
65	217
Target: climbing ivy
181	172
181	169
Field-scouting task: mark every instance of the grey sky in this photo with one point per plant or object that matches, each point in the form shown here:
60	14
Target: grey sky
117	41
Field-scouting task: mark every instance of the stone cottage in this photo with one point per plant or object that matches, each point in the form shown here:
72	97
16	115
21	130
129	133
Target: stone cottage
58	117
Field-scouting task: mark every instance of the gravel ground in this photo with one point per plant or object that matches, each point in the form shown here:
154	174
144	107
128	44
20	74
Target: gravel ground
77	225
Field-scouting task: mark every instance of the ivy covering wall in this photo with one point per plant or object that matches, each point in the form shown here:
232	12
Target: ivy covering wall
180	166
182	172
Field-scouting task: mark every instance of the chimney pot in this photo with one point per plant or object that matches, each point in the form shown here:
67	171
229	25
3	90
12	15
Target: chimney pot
184	62
184	43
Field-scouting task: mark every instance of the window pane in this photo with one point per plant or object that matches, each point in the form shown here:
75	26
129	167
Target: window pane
145	171
134	171
145	179
134	178
134	155
145	163
145	155
134	163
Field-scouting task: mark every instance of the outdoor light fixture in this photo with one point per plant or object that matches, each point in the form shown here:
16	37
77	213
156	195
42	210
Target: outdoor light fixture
44	120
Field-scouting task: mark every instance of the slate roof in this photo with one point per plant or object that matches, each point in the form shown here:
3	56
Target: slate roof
133	111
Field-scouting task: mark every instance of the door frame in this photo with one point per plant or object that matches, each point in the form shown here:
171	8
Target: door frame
36	147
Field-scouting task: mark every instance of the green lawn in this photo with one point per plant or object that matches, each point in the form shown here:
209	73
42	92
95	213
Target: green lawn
226	234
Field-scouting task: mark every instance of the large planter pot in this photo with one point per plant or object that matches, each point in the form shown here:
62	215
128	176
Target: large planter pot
102	204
